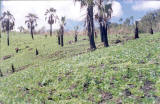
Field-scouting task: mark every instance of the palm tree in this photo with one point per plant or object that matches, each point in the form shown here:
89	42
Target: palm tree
51	17
31	22
7	20
21	29
89	20
62	24
103	16
76	33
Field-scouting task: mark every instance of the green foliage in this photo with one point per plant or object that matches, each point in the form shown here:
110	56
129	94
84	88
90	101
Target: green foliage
51	16
31	20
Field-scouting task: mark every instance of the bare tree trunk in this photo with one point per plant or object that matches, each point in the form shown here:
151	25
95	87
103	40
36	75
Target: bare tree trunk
0	33
32	31
7	29
101	32
90	25
8	37
13	69
151	31
37	51
75	37
101	25
136	31
50	29
106	44
62	30
62	40
1	74
59	40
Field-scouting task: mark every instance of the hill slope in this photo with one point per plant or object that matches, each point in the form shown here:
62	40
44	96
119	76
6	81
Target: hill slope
128	73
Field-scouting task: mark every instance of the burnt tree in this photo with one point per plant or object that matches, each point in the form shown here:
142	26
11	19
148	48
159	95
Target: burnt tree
105	35
90	27
151	31
1	74
136	31
76	33
37	52
13	69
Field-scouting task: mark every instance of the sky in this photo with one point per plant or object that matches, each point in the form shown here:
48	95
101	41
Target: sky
74	14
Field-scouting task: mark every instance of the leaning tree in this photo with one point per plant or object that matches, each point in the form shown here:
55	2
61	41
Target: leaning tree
62	24
89	4
7	22
51	17
31	22
103	16
76	33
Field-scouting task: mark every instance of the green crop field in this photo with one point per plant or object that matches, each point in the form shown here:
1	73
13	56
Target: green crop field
127	72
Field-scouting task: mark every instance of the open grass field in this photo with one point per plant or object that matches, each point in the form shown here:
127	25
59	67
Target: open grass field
127	72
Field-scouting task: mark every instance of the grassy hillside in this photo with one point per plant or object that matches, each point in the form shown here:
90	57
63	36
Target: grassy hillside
127	72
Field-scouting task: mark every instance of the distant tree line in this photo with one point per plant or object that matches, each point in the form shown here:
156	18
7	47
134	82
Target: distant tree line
149	23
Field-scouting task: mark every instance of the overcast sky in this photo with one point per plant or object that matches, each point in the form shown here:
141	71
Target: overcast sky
73	13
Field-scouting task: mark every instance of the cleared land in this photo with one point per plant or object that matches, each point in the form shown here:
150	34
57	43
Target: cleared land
127	72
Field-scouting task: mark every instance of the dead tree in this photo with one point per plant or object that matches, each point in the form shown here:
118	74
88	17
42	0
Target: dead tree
151	31
76	33
13	69
37	52
136	31
17	49
58	35
1	74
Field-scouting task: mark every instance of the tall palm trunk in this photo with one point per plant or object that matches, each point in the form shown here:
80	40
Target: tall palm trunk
75	39
7	37
101	32
90	25
0	34
62	33
105	35
32	31
50	29
59	40
136	31
7	32
101	25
